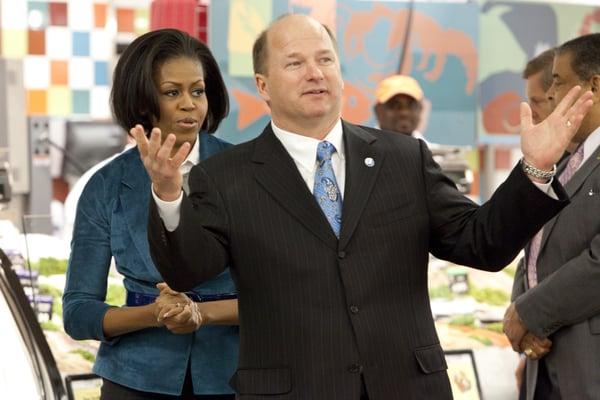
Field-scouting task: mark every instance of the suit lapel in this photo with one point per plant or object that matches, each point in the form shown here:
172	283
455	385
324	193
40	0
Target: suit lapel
277	173
573	186
360	177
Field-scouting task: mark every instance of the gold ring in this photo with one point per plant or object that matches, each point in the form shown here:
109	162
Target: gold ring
568	123
528	352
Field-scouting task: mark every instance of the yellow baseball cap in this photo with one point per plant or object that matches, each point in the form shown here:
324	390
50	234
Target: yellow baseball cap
398	84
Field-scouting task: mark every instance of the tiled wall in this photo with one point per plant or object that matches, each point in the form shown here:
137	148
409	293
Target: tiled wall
68	50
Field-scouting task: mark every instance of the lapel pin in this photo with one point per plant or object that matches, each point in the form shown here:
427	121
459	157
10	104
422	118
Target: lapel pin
591	192
369	162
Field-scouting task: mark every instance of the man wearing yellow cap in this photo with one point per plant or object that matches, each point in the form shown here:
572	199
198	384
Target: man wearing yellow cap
399	105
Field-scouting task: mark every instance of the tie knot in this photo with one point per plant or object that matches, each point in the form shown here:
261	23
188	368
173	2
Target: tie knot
324	151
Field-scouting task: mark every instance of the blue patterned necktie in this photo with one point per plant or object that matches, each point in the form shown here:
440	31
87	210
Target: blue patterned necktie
326	190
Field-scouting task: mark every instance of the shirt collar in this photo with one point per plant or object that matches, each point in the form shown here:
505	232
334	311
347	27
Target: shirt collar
192	158
303	149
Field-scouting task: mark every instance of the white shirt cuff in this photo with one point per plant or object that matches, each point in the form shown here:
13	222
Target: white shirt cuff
168	210
544	187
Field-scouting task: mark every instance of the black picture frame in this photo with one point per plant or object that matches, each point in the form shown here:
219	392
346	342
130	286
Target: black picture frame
83	386
462	372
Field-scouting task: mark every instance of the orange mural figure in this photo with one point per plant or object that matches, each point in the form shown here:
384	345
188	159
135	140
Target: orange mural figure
427	35
588	20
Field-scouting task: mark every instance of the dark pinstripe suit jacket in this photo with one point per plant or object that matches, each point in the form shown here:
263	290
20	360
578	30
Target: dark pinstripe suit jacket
317	312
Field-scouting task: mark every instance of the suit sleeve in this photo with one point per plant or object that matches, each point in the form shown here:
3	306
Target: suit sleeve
491	235
197	250
568	296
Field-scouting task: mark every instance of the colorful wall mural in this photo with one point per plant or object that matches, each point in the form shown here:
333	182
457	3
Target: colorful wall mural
468	58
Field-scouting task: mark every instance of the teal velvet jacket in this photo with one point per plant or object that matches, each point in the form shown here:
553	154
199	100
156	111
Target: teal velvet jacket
111	223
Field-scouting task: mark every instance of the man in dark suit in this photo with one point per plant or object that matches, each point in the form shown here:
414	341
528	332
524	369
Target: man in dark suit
556	287
327	228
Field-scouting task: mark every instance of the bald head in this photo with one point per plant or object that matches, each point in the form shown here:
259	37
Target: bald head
277	30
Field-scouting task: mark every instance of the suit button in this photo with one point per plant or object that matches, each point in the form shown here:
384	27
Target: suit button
355	369
341	255
354	309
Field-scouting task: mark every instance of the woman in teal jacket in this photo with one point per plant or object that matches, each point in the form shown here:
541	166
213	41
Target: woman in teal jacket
161	344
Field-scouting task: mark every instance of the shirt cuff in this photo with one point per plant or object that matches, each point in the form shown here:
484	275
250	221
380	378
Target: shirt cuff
546	188
168	210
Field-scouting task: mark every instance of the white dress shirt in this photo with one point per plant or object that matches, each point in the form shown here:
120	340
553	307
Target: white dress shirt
303	150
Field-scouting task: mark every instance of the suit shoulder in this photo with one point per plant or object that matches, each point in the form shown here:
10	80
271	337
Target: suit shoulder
393	140
230	157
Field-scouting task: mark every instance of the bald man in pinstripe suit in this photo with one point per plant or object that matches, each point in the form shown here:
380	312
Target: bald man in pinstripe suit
334	304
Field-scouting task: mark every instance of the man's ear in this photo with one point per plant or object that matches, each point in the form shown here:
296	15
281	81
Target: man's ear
262	86
595	85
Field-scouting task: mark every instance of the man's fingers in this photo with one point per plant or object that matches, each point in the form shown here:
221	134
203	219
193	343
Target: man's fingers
567	101
526	117
575	114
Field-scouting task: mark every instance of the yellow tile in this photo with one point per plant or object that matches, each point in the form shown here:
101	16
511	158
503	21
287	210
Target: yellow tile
14	43
60	101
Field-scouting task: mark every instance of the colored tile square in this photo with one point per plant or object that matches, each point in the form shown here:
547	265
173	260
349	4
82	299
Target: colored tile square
14	43
59	72
99	15
142	21
36	42
37	14
81	73
125	19
13	15
36	102
58	43
81	101
100	73
36	72
60	102
81	15
99	99
81	43
58	14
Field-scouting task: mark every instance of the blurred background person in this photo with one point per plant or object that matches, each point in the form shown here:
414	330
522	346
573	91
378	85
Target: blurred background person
538	77
160	345
538	80
399	105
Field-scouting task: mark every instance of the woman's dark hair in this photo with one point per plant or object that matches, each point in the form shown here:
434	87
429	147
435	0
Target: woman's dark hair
134	96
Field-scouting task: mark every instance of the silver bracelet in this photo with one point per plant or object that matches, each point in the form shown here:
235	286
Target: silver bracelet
536	172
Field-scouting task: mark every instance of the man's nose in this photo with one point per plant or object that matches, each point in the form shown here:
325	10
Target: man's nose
313	71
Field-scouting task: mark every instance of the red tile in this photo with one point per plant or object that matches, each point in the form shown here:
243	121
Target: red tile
58	14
